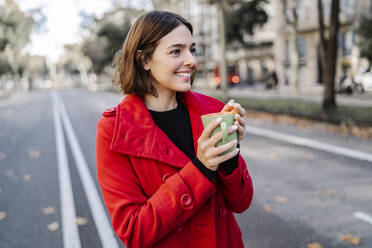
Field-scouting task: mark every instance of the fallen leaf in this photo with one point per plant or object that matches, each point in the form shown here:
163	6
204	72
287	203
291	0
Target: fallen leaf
9	173
301	167
2	215
81	221
281	199
314	245
33	153
53	226
273	155
330	192
2	155
49	210
268	208
26	177
351	239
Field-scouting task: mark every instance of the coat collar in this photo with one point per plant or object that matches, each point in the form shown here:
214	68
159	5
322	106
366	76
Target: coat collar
136	133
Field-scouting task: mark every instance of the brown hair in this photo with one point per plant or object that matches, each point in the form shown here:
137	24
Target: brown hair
143	36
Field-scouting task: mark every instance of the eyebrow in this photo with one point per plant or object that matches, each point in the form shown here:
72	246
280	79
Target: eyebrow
180	45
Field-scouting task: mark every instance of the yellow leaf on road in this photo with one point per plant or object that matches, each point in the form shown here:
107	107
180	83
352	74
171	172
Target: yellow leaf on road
10	173
351	239
49	210
314	245
53	226
81	221
33	153
26	177
2	215
330	192
281	199
268	208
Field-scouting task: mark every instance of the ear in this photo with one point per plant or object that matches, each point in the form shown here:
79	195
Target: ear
145	63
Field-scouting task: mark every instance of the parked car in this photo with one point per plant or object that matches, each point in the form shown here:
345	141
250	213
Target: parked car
364	79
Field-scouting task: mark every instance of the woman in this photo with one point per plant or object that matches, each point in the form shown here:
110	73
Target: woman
163	181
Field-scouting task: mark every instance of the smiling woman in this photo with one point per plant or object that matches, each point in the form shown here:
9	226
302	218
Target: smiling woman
164	181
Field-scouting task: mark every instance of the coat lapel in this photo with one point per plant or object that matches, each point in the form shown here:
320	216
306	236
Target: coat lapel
136	134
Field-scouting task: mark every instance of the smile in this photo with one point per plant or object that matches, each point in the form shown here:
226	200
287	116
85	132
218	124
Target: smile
183	74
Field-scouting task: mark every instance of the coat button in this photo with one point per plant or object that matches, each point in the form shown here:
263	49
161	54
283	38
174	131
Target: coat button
222	211
165	176
186	200
179	229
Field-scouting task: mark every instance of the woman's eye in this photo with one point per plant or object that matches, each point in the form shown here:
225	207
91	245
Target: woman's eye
193	50
175	52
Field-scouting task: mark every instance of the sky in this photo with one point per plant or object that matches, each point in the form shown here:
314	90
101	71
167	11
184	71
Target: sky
62	25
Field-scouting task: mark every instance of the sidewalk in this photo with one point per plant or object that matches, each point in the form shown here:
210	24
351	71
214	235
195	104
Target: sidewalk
313	94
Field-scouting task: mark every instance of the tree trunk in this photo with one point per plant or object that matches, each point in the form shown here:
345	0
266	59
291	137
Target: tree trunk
328	54
222	48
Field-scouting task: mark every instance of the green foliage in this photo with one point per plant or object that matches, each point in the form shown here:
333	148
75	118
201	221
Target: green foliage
105	40
365	33
15	26
243	17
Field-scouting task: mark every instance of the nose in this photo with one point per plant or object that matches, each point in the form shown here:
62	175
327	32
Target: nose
190	59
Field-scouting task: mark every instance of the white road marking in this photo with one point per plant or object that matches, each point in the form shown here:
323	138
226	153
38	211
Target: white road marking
364	217
70	231
104	228
310	143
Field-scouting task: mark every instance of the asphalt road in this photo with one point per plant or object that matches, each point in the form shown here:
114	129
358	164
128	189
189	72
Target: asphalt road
307	189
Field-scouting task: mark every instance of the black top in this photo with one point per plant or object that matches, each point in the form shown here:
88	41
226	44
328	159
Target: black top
176	125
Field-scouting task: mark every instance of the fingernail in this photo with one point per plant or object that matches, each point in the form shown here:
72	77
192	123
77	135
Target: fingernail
234	127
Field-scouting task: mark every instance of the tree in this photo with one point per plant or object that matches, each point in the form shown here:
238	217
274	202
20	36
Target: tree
107	37
241	16
15	30
365	39
328	53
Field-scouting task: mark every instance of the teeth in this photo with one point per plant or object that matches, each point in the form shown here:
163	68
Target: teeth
182	74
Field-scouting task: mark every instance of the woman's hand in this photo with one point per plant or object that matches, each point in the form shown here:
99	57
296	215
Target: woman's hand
207	153
239	116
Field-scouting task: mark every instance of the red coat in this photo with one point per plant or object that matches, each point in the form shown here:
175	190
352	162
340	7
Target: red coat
154	194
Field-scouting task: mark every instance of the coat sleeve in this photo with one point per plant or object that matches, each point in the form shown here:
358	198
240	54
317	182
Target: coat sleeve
237	187
138	220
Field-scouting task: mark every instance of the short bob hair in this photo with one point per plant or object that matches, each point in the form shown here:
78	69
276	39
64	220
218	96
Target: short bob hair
143	36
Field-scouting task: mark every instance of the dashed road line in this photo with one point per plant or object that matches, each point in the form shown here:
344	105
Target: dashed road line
310	143
102	223
70	231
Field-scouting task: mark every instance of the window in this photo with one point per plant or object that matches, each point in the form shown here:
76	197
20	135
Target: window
287	51
346	42
301	46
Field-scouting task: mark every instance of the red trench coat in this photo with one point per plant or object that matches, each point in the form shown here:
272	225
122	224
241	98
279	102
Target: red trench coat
155	196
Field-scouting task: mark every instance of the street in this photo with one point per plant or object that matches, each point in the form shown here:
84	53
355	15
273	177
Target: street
311	187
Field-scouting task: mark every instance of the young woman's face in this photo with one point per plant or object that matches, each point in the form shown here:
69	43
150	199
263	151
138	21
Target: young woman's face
173	61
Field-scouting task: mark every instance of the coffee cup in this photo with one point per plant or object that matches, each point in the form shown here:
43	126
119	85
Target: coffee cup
227	121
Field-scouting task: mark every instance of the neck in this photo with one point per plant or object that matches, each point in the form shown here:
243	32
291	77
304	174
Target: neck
163	102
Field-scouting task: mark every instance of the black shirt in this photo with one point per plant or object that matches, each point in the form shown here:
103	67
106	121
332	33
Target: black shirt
176	125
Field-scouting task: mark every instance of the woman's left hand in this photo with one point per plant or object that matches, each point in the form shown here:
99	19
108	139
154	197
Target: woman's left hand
239	116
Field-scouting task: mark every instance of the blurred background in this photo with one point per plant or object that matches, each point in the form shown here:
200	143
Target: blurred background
302	70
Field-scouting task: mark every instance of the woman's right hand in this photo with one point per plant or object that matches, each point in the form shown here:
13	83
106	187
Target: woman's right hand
207	151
